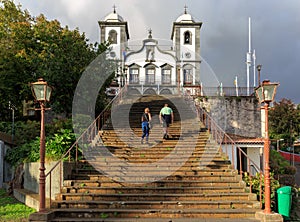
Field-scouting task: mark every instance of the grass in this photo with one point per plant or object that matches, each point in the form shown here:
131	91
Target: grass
13	210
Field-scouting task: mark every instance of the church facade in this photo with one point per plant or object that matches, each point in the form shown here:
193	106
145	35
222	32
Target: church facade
153	67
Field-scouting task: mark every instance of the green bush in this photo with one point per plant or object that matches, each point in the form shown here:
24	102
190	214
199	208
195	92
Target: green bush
24	153
57	145
255	182
279	165
59	138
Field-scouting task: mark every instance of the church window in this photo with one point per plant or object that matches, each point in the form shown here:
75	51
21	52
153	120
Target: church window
166	76
112	36
187	37
134	75
150	75
187	75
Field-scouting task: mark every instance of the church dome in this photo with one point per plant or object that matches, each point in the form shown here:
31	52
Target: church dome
185	18
113	17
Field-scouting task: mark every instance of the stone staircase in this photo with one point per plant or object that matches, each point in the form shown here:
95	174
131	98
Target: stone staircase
183	178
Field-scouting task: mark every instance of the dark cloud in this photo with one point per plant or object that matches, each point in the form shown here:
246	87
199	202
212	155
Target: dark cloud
224	34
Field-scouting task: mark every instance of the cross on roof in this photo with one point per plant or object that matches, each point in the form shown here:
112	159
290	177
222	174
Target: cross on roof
150	33
185	9
114	7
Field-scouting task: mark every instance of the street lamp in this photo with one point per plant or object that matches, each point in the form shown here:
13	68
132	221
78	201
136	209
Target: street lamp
265	93
278	143
42	92
12	107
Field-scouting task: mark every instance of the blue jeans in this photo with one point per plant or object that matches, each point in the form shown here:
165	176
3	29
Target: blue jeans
145	129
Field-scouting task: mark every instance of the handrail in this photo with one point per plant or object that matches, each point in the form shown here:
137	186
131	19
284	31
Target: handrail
225	141
90	132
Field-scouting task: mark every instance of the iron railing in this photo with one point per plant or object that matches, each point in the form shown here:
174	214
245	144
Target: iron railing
231	149
226	91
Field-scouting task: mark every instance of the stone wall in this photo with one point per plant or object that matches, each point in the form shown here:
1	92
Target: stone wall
6	171
237	115
31	177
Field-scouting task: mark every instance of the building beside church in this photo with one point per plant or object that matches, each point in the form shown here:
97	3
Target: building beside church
149	67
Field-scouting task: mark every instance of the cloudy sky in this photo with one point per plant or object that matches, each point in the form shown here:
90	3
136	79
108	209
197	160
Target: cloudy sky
224	33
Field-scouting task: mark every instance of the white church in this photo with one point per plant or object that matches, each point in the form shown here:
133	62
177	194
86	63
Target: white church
152	67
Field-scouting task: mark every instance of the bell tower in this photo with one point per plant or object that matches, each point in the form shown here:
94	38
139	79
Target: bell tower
115	30
186	44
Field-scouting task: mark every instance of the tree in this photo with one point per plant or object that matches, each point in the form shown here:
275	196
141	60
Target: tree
15	34
284	120
33	47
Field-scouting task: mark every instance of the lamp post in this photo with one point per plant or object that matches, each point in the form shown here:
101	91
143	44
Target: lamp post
12	107
258	73
265	93
42	92
278	143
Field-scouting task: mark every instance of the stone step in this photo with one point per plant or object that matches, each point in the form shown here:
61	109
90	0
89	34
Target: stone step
144	158
173	137
188	166
140	165
175	156
144	175
186	171
156	197
158	141
222	204
73	213
251	218
178	131
155	136
204	158
138	131
154	144
176	177
163	183
154	147
151	190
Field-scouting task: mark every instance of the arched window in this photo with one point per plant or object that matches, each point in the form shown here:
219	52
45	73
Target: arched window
166	76
166	72
187	37
150	73
112	36
134	74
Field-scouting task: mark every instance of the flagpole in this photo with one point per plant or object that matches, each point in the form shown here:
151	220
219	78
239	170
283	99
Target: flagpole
254	68
248	59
